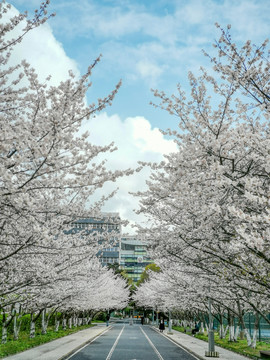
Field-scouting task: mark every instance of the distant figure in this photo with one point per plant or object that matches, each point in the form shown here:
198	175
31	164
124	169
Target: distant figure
197	328
107	320
142	320
161	325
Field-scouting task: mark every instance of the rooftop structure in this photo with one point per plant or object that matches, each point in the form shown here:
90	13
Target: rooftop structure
129	252
104	223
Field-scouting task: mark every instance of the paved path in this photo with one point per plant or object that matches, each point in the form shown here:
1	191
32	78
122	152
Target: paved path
198	347
60	348
118	346
125	342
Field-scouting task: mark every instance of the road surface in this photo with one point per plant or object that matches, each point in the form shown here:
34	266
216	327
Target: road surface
131	342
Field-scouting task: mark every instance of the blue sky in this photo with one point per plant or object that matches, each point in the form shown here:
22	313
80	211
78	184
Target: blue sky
148	44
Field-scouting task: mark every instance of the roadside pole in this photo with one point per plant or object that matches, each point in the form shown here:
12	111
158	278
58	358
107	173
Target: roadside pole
170	324
211	340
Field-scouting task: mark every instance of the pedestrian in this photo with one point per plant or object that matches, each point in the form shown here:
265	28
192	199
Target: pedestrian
161	325
107	319
197	328
142	320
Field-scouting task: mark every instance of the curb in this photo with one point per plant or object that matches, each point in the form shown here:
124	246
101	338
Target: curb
66	356
180	345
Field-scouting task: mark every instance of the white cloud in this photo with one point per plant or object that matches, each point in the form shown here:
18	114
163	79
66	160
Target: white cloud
148	139
148	70
44	53
135	138
144	43
136	141
140	45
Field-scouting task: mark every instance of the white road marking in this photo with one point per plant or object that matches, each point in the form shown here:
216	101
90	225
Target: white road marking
88	343
114	345
177	344
153	346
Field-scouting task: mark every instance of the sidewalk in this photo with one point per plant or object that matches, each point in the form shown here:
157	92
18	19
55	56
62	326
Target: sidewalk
198	347
61	348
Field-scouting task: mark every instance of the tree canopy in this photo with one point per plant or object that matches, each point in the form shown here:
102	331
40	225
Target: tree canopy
208	203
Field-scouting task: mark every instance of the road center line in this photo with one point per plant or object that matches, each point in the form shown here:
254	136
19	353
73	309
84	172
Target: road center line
114	345
153	346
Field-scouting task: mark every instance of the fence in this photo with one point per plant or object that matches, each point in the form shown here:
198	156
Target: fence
249	318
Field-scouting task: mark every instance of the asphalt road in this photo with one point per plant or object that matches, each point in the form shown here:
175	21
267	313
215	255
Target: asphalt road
131	342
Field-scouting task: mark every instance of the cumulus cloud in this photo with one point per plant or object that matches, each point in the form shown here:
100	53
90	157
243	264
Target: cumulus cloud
136	140
146	45
42	51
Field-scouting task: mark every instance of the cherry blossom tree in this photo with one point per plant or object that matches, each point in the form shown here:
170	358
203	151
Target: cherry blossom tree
49	174
209	202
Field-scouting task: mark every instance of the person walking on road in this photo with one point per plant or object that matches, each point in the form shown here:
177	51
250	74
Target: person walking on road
107	320
161	325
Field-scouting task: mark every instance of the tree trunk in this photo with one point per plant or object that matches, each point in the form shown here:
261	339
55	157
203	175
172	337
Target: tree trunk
33	324
221	326
5	323
255	331
236	334
85	318
242	323
231	333
4	334
75	321
219	317
44	323
64	324
56	323
202	328
248	336
226	330
231	326
254	339
64	321
16	326
221	331
32	327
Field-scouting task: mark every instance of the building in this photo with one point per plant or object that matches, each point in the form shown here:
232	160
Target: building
133	257
129	251
105	223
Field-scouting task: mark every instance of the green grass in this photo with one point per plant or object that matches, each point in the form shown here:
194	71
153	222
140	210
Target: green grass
97	321
239	347
24	343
